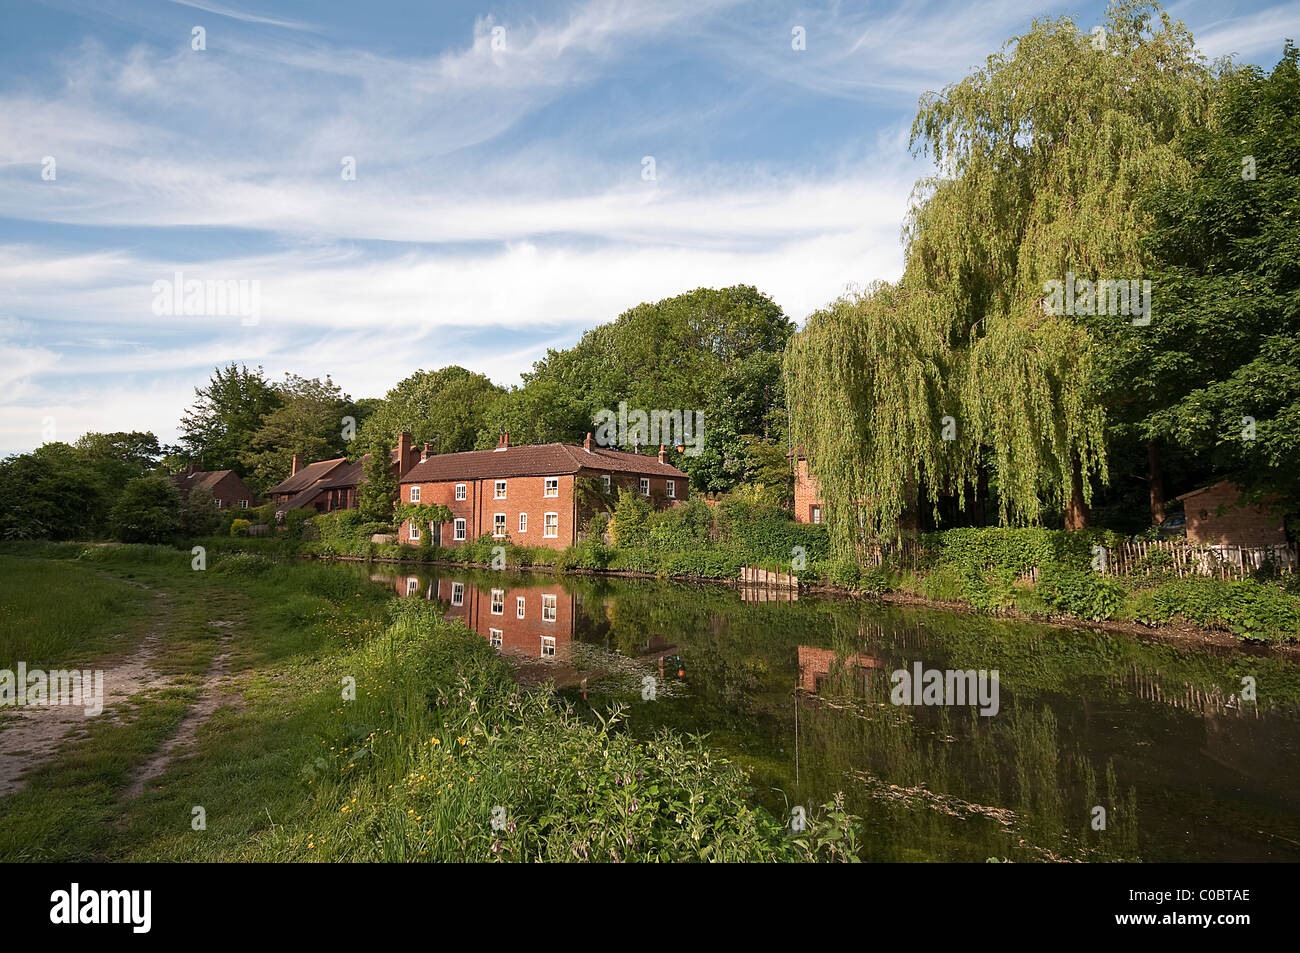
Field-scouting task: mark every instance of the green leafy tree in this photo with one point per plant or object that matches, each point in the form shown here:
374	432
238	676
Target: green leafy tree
1045	155
219	427
120	457
307	420
199	514
378	494
148	511
443	408
52	493
712	351
1214	382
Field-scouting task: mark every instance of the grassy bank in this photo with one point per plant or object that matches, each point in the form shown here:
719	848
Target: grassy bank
437	745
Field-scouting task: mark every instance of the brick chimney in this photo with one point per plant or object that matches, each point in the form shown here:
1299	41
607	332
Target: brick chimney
661	453
586	444
503	441
425	454
404	452
297	463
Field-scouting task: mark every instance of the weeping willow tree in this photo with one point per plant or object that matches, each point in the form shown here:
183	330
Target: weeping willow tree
1046	154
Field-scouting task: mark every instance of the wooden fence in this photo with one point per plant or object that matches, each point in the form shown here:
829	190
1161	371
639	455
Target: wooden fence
1143	558
767	585
1183	559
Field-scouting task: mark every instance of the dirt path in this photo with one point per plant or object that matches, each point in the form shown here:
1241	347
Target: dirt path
211	697
29	737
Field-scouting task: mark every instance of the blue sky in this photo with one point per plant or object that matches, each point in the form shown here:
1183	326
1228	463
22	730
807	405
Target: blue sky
500	204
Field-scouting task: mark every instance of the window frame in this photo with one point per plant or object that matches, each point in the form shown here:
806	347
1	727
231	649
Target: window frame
460	491
458	593
547	487
499	489
553	606
499	519
546	526
523	523
413	531
670	488
521	607
643	485
415	493
498	607
458	529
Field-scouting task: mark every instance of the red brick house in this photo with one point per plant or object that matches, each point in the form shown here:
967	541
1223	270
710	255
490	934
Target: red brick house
527	494
807	492
329	485
1241	524
228	490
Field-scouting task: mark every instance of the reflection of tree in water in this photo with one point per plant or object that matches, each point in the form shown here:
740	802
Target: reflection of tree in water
936	781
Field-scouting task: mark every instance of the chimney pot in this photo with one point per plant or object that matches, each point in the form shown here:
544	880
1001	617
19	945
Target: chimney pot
297	463
425	455
661	453
586	444
503	441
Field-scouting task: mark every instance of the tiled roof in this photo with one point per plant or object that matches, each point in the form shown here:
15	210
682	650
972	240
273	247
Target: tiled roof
548	459
351	474
300	500
307	476
207	478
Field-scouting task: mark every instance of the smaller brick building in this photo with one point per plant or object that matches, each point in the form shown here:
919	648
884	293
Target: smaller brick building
228	490
815	666
807	492
329	485
1216	515
529	494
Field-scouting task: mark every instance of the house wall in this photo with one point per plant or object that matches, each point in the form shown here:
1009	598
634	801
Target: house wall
807	493
1253	525
525	494
233	493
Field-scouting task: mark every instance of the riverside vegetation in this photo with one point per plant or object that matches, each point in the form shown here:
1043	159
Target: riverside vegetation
437	737
1028	571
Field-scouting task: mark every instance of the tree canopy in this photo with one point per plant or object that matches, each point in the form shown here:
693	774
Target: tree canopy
1045	155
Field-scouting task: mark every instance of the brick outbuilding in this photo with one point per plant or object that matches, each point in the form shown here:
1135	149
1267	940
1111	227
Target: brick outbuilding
1217	515
807	492
228	490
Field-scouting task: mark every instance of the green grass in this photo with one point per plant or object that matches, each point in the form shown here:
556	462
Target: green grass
61	612
437	739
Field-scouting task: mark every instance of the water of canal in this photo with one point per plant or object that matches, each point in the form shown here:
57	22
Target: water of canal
799	693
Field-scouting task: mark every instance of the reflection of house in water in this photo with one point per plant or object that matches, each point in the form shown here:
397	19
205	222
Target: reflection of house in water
815	667
527	621
540	623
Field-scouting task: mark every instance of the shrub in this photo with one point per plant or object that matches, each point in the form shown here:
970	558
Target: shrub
1251	609
199	514
1080	593
239	527
148	511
